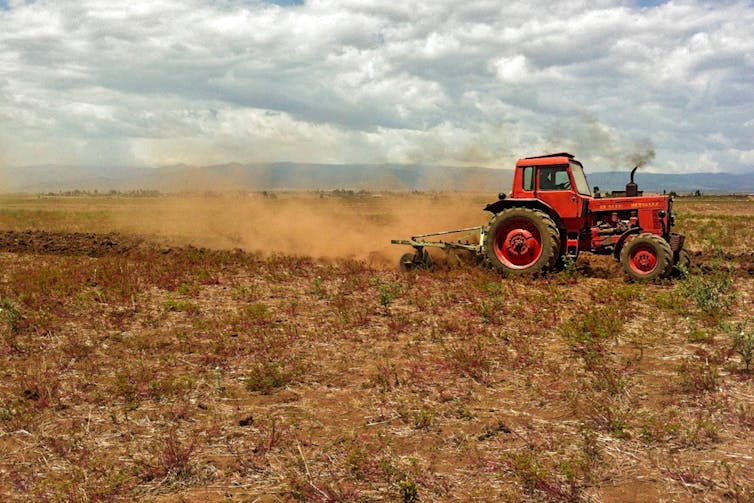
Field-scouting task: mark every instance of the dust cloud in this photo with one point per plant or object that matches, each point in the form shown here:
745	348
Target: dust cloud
321	225
3	168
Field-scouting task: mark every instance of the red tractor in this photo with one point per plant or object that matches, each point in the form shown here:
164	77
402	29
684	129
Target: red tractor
551	215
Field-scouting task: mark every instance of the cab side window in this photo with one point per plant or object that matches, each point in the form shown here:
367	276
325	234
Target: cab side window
528	178
554	178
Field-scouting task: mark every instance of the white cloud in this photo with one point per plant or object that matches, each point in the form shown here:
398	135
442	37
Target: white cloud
512	69
475	82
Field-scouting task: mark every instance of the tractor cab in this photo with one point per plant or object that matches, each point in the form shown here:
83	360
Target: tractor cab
547	173
558	180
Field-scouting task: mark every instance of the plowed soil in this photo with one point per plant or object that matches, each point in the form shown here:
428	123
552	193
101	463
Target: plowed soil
68	243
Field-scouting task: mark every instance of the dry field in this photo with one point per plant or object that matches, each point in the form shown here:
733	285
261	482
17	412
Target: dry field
257	348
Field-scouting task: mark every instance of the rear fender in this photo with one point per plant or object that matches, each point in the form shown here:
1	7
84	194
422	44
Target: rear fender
622	240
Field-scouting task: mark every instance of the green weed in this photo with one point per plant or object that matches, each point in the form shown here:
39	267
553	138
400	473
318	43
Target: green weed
699	431
568	272
245	293
699	335
318	289
188	289
712	294
541	481
10	318
409	491
587	334
257	312
388	293
265	377
9	315
743	341
181	306
424	418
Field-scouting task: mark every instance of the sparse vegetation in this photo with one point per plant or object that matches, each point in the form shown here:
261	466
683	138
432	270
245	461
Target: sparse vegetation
138	370
712	293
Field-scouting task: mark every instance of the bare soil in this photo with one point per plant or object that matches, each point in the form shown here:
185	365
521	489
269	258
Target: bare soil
135	367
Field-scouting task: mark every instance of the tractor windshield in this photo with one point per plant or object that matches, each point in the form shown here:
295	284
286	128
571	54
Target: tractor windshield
578	176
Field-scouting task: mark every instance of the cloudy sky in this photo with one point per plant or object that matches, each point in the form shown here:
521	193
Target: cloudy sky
475	82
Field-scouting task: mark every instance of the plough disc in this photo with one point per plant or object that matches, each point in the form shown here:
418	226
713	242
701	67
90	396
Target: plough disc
421	259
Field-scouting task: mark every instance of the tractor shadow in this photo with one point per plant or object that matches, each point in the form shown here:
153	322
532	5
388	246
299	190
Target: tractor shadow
599	266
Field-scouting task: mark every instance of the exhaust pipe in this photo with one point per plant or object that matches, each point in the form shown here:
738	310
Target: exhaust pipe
632	190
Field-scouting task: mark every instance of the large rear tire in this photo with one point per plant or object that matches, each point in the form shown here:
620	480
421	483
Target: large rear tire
647	257
522	241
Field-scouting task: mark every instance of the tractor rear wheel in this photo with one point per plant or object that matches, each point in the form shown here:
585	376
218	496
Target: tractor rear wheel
647	257
522	241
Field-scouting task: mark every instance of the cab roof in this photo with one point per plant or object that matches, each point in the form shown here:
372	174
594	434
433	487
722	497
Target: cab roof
560	154
549	159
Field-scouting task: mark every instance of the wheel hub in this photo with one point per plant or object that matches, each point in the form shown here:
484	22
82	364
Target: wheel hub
644	260
518	243
518	246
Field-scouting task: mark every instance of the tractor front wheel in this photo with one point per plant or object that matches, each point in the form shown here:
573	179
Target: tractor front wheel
647	257
681	262
522	241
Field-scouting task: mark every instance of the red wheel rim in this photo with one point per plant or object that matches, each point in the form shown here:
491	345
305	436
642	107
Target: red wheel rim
518	244
643	259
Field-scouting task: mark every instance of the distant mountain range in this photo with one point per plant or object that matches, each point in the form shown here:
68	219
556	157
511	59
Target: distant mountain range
295	176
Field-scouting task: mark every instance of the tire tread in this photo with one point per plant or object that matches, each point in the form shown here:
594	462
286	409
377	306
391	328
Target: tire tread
664	257
550	241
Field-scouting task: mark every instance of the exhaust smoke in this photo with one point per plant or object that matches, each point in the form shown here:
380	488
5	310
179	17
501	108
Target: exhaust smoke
643	152
600	145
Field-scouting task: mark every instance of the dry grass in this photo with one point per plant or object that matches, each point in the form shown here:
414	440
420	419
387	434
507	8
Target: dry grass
201	375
